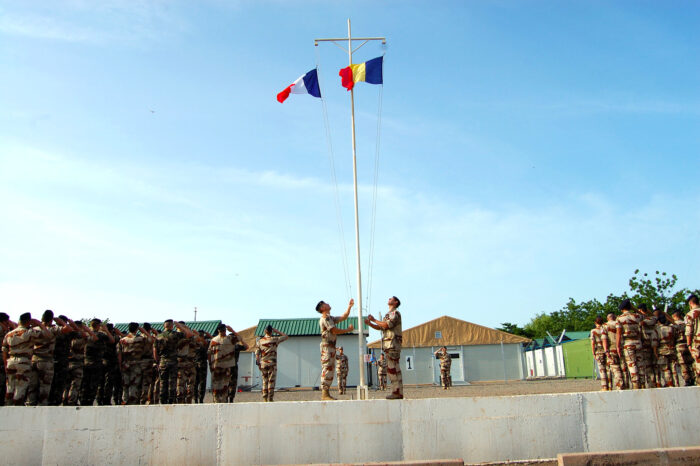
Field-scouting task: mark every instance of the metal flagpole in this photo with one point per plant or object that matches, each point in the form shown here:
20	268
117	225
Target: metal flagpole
362	389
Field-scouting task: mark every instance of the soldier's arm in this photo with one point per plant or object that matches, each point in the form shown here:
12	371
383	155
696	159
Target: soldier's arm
337	331
689	324
146	335
5	355
618	330
107	332
347	311
283	336
118	332
119	355
44	331
371	324
184	329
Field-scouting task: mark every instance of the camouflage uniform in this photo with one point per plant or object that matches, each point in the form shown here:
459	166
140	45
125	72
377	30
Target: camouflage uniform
683	357
649	341
200	363
598	335
381	373
166	347
131	349
111	384
445	367
233	382
93	372
266	353
3	378
60	368
76	361
692	331
19	345
392	338
666	351
342	372
221	351
149	372
615	376
42	367
631	345
185	370
328	339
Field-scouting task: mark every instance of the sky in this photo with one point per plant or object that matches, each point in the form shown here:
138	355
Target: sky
528	152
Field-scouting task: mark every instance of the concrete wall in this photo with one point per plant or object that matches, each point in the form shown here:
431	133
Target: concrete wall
474	429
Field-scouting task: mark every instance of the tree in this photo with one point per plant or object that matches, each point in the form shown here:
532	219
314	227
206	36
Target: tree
514	329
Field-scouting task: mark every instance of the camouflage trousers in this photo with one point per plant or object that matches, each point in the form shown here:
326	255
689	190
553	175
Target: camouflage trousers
132	373
648	380
200	382
685	364
695	354
633	359
3	385
18	374
615	377
93	375
167	374
58	384
602	369
382	380
269	377
220	377
75	381
40	383
666	364
342	380
233	384
327	365
148	375
393	369
110	386
185	381
445	377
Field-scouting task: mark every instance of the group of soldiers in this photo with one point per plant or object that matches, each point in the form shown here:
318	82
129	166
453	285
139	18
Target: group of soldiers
58	361
642	349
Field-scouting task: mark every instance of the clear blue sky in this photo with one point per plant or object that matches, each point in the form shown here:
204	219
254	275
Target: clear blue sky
530	152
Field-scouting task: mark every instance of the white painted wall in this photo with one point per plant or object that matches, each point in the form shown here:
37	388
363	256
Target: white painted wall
545	362
474	429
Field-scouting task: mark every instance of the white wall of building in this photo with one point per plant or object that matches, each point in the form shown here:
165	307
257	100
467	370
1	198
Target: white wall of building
545	362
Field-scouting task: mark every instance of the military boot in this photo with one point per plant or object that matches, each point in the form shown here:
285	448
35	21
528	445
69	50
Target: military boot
394	396
326	396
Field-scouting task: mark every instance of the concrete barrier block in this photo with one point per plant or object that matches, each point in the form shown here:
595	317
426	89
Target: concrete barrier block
669	456
30	424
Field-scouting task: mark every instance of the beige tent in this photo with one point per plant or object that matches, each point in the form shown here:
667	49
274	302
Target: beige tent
248	336
452	332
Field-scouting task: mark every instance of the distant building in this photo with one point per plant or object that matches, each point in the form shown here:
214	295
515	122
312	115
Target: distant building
478	352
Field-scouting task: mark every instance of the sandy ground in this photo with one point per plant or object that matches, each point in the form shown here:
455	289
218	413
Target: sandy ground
496	388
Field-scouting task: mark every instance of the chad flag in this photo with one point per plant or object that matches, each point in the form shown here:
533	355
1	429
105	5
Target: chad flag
369	71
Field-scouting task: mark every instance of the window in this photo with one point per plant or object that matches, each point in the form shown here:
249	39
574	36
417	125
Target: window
438	335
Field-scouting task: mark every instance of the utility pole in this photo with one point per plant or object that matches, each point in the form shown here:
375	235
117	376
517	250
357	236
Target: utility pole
195	313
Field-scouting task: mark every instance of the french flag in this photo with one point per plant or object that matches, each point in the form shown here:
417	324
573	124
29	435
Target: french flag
307	84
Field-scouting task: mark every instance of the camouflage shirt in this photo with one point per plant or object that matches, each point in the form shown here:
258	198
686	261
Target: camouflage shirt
222	351
666	336
166	345
77	348
381	366
132	348
266	350
95	349
597	337
692	326
445	360
611	328
19	343
392	337
327	324
631	331
341	364
679	325
44	345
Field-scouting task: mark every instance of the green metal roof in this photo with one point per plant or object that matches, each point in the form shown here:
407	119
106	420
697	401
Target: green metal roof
302	327
578	335
206	325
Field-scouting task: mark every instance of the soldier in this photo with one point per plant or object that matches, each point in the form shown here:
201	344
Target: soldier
149	369
329	334
221	359
43	361
185	367
233	383
391	344
200	362
130	351
111	384
5	326
266	358
615	376
76	362
599	347
683	357
629	337
93	371
665	351
61	352
445	366
341	369
647	326
17	349
165	353
381	372
692	332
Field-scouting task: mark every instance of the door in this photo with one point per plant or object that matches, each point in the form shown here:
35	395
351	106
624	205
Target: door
457	368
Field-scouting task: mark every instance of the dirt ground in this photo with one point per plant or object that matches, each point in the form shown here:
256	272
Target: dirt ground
496	388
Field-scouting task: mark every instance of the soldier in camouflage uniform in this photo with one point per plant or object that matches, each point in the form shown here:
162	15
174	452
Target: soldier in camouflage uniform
130	351
392	338
61	352
221	359
665	351
329	333
43	361
111	386
17	349
445	367
93	371
166	357
200	362
683	357
629	339
266	358
186	348
233	382
149	369
599	347
76	362
692	333
616	378
647	326
381	372
341	368
6	325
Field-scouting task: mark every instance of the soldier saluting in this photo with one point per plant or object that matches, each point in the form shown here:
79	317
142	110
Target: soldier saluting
392	337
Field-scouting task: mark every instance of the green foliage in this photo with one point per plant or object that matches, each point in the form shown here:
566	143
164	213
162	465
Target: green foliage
657	290
514	330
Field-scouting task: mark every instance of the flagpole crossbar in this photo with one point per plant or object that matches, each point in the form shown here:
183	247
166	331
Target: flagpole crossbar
383	39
